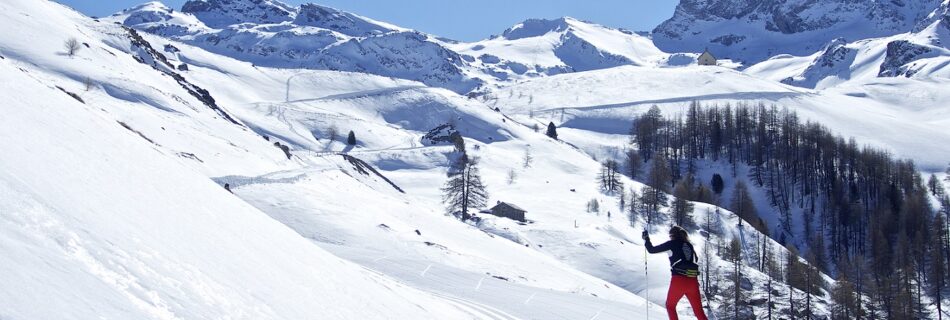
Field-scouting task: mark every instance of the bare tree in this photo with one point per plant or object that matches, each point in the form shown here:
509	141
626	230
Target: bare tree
609	176
332	133
88	84
527	158
72	46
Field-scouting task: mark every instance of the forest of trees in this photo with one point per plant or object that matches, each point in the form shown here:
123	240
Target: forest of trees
869	219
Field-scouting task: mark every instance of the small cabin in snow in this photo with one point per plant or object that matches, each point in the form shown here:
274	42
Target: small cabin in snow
507	210
706	59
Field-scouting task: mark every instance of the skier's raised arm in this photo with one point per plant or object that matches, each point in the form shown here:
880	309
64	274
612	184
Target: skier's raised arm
666	246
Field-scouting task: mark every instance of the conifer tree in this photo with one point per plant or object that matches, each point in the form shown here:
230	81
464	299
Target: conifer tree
527	159
844	300
634	163
552	131
936	188
464	189
660	176
938	263
609	176
717	183
682	208
737	300
742	204
634	207
351	138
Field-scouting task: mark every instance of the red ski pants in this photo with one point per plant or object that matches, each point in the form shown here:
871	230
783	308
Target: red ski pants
680	286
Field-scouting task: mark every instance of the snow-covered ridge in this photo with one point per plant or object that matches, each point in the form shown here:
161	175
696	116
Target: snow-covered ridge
547	47
222	13
754	30
921	55
271	33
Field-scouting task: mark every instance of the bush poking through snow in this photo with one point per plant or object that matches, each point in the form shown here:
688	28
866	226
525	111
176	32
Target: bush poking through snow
88	84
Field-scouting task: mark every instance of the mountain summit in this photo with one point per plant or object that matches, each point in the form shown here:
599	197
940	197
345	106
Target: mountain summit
547	47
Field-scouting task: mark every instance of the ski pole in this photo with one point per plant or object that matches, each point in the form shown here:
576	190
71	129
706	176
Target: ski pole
646	267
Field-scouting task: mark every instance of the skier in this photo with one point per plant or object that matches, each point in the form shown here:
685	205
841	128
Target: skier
685	271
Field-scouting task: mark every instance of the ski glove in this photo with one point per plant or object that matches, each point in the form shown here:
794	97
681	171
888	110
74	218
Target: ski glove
646	236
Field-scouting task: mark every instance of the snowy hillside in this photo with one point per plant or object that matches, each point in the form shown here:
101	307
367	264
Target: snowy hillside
106	211
390	117
605	101
157	238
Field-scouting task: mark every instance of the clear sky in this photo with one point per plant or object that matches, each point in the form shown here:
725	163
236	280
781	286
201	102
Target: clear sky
459	19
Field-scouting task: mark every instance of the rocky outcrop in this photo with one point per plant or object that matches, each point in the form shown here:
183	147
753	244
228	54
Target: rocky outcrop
222	13
898	57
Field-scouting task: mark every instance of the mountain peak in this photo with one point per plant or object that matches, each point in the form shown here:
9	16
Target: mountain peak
537	27
151	5
221	13
344	22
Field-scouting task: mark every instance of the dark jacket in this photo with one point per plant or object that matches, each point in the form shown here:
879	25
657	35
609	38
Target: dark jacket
682	256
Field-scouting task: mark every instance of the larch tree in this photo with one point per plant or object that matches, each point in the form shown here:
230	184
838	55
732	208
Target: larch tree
741	203
938	264
464	189
634	163
682	208
737	300
609	177
527	159
935	186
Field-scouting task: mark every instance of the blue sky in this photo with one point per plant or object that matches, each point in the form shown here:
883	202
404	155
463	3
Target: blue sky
462	20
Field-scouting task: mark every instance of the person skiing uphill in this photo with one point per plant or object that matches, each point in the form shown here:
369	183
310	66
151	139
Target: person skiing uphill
685	271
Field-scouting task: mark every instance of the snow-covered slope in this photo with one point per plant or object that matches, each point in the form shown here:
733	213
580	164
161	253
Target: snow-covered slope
546	47
108	210
754	30
164	113
900	114
922	55
101	218
364	218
